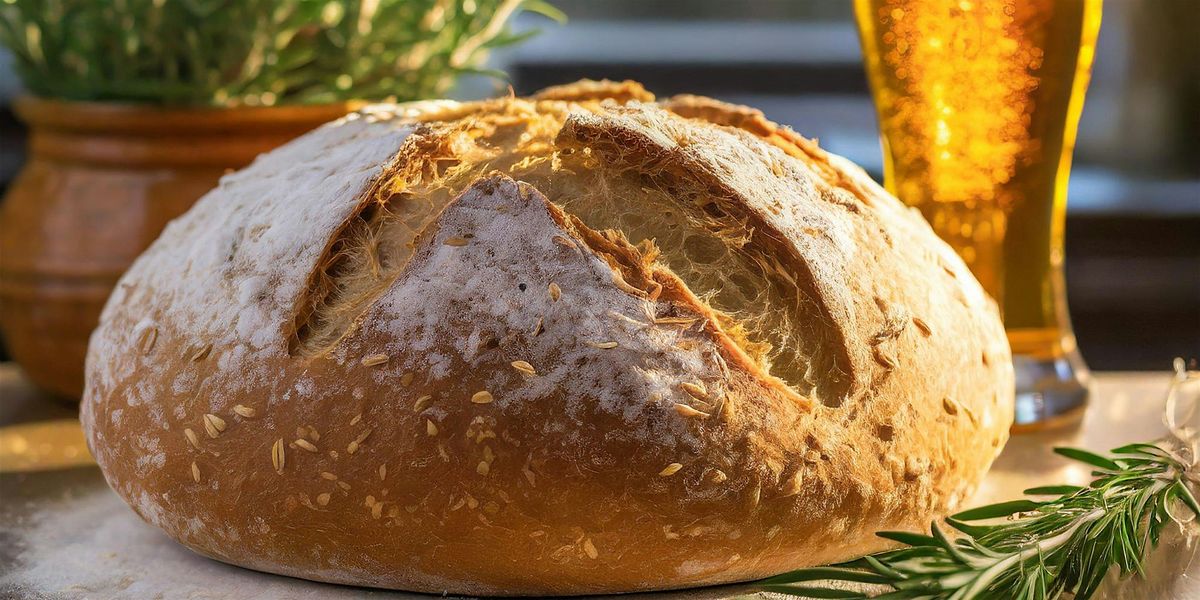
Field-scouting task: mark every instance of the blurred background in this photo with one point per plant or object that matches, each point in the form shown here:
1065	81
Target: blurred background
1133	225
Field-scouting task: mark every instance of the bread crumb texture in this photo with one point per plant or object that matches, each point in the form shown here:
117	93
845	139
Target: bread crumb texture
581	342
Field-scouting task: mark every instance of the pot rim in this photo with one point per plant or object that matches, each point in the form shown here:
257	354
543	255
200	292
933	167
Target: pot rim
127	117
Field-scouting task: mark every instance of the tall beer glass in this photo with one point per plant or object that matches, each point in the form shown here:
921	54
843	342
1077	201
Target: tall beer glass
978	103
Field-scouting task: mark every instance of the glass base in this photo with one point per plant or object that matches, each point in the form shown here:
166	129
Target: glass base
1052	391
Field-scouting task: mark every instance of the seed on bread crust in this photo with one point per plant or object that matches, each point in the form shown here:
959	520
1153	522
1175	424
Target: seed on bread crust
670	470
199	353
524	367
372	360
213	425
689	412
695	390
421	404
923	326
147	339
277	456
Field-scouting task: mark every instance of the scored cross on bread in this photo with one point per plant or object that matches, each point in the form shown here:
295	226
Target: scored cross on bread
581	342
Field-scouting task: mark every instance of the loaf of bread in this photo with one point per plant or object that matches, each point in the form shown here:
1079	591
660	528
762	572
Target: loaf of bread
581	342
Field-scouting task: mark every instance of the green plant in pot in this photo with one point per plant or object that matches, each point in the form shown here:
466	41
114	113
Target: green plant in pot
137	107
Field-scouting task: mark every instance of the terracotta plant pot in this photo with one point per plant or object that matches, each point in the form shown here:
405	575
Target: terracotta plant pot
100	182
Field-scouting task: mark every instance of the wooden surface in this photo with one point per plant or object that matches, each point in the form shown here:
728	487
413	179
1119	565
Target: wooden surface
65	535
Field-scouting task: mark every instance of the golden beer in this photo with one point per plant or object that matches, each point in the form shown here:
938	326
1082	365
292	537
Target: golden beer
978	103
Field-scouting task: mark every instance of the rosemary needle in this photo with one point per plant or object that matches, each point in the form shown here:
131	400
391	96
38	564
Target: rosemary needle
1025	549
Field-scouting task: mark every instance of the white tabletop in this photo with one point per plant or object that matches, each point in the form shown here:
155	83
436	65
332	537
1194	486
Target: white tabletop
63	534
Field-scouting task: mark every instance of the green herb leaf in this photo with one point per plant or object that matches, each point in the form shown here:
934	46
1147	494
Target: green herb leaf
911	539
1043	550
1090	458
968	528
1053	490
1000	509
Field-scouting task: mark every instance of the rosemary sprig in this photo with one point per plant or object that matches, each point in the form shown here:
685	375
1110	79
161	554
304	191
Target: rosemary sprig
1041	550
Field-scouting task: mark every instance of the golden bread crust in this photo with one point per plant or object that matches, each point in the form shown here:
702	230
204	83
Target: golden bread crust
520	399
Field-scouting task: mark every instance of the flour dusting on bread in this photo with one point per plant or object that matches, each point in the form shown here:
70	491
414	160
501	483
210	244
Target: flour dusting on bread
583	342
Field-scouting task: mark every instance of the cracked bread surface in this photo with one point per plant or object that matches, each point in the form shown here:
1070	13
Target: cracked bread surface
582	342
